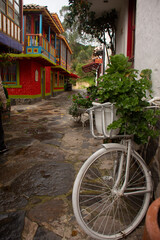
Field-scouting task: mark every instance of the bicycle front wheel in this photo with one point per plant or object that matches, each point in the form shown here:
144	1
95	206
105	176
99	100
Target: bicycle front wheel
101	209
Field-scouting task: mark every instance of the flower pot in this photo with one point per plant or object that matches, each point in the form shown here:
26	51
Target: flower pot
104	116
152	222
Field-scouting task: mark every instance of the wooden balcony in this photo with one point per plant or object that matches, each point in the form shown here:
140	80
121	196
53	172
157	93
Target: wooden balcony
37	44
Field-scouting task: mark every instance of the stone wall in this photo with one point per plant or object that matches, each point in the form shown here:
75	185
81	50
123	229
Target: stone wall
151	155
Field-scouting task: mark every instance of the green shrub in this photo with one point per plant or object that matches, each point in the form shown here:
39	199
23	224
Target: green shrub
123	86
129	90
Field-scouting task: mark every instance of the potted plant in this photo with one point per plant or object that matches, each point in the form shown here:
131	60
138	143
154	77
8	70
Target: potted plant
80	103
128	90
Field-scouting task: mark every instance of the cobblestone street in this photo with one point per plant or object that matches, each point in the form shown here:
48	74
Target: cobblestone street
46	149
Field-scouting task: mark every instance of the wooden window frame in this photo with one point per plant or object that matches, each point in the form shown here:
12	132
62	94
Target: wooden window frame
8	5
6	75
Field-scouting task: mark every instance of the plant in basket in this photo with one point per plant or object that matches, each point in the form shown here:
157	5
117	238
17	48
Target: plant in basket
128	90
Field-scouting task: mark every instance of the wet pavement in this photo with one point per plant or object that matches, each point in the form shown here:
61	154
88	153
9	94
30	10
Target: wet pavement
46	149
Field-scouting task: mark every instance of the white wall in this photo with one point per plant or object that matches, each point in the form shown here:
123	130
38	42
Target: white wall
147	42
122	28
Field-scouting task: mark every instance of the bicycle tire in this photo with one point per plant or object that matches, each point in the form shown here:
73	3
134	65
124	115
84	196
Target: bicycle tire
101	213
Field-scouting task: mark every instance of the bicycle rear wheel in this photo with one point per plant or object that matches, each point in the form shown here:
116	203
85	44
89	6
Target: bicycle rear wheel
100	209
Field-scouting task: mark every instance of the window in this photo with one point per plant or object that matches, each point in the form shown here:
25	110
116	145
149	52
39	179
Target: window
58	48
8	74
16	18
3	5
10	12
16	6
28	27
36	75
11	2
12	9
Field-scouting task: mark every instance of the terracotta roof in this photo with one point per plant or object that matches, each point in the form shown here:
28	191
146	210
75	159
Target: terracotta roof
72	75
34	6
91	67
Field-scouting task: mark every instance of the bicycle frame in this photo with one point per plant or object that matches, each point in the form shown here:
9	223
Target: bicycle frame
128	142
121	191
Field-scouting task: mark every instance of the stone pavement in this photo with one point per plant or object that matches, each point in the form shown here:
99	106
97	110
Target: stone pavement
46	149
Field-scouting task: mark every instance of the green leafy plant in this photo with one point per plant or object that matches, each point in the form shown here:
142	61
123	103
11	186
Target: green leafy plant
128	90
123	86
79	104
87	22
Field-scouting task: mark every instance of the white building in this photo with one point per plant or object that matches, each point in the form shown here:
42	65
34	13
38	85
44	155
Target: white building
137	33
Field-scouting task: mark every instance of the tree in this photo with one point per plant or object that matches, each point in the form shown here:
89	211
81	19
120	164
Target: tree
82	52
86	22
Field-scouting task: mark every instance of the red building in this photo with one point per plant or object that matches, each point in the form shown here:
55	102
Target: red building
42	69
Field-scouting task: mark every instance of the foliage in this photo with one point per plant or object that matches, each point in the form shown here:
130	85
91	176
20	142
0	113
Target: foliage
81	55
80	102
123	86
82	74
5	92
87	79
6	59
81	45
87	22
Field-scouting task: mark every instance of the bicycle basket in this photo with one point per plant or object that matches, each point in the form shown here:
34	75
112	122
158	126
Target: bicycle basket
101	116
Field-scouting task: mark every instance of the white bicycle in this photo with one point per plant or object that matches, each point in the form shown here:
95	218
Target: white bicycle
113	188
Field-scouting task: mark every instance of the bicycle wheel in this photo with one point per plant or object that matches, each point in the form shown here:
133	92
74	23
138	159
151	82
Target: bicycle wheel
99	207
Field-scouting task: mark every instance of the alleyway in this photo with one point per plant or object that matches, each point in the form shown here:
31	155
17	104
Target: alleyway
46	149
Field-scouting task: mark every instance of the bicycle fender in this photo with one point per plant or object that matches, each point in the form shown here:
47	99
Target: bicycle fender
113	145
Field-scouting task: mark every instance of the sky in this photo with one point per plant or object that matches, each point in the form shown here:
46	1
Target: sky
52	5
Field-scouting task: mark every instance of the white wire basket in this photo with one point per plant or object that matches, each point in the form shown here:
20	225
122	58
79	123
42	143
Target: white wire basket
101	116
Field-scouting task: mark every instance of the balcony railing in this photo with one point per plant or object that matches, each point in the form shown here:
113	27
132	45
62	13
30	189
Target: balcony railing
36	43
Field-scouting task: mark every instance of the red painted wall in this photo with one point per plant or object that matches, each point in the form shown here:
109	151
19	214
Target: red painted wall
27	79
